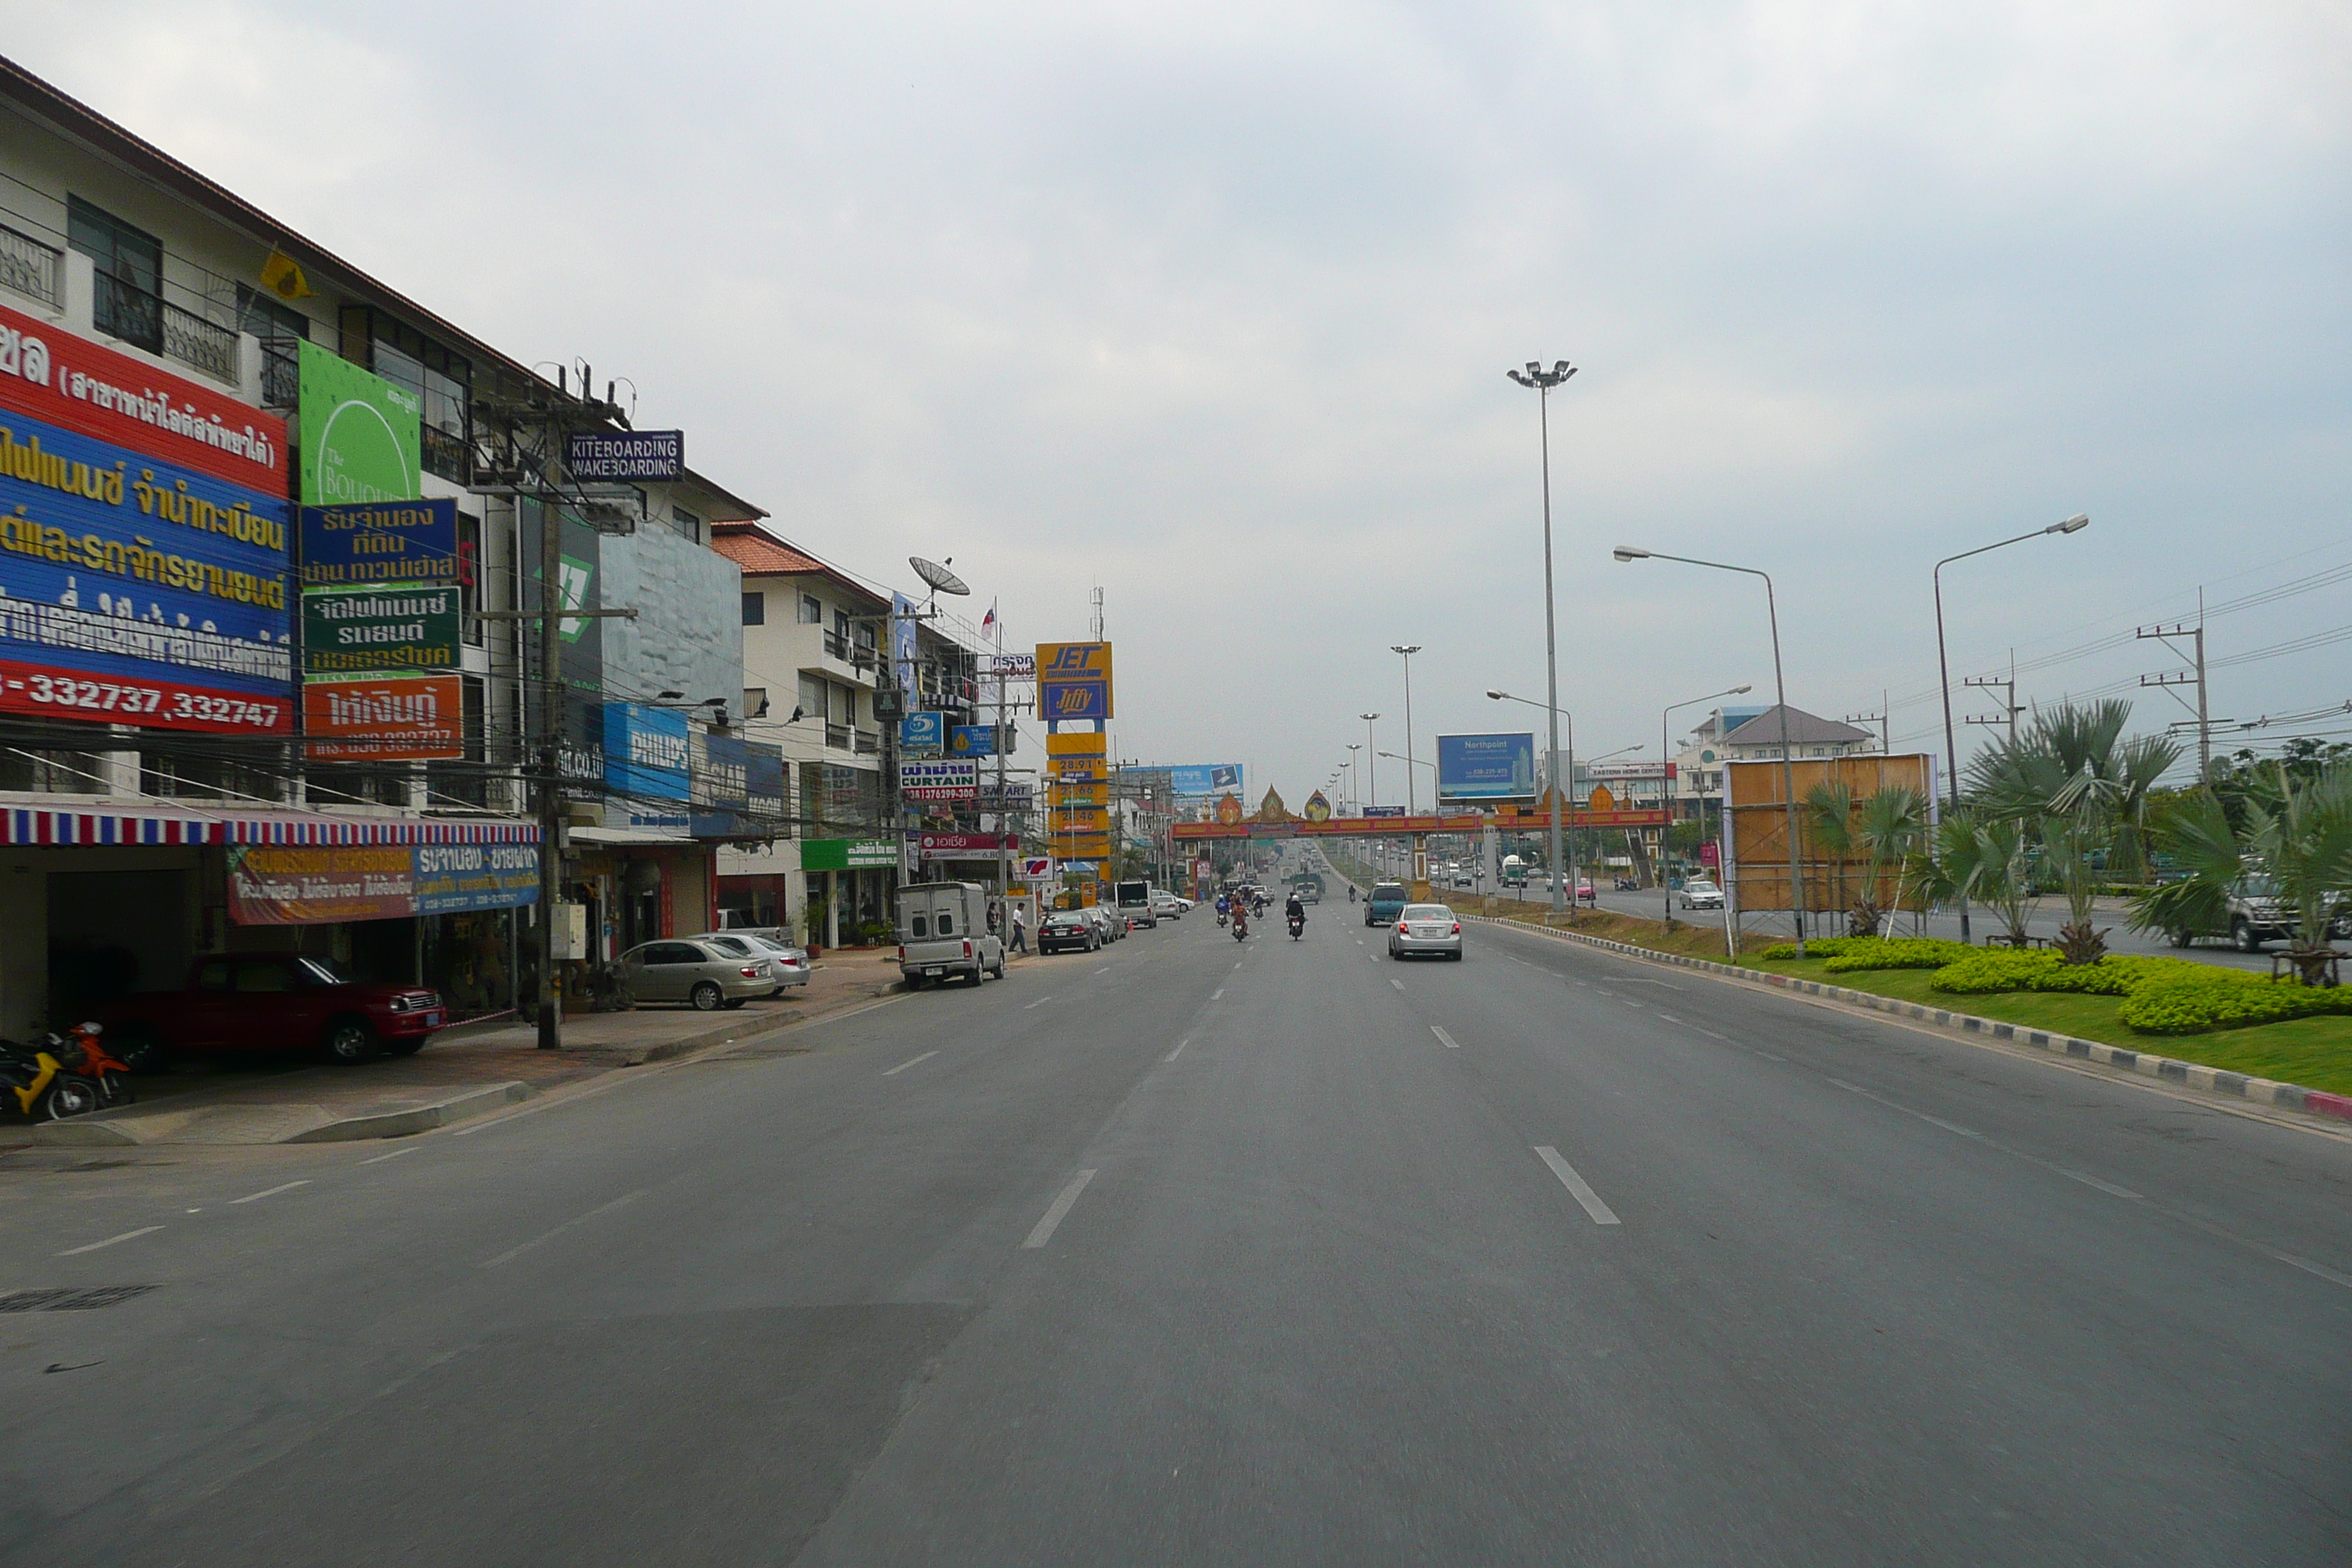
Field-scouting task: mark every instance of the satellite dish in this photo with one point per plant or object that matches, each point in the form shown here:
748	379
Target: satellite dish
941	580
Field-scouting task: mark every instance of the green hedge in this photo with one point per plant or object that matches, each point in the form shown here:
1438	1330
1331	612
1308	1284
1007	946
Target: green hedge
1847	954
2194	1006
1985	971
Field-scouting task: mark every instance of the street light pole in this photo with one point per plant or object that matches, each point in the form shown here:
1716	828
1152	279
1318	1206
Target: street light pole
1666	798
1411	804
1780	688
1944	665
1543	381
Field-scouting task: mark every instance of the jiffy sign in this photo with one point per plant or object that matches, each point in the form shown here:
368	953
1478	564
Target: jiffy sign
942	781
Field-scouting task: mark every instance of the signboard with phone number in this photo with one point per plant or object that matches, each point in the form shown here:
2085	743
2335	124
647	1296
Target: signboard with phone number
160	704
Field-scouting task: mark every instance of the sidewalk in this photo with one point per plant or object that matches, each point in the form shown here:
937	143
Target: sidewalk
470	1070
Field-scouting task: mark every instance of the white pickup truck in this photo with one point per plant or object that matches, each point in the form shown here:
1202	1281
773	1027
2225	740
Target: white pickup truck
943	932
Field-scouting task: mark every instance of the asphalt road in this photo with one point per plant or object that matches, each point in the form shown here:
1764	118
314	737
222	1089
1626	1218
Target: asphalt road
1197	1253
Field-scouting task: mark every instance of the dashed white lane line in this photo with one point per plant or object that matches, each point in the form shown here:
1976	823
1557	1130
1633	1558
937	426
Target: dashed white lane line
1039	1003
514	1252
269	1192
1103	969
1217	995
396	1153
1580	1190
910	1061
1449	1043
1670	1018
110	1241
1398	983
1044	1230
1177	1052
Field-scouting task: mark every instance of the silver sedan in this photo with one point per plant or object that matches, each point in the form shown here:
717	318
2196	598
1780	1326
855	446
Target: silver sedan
1427	929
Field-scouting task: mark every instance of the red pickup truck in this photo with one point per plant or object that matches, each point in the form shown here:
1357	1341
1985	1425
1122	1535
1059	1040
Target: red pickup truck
271	1002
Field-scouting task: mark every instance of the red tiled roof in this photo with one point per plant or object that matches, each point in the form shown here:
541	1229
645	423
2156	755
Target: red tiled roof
759	553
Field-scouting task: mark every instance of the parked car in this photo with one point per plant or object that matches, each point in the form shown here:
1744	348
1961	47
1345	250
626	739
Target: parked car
1112	928
1698	893
1425	931
1166	906
1388	902
792	963
1064	930
271	1002
703	975
943	930
2256	914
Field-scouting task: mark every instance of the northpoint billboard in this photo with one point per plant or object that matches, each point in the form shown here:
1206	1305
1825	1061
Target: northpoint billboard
1485	767
142	544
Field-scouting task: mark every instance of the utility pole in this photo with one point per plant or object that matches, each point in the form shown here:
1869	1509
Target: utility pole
2009	708
2195	636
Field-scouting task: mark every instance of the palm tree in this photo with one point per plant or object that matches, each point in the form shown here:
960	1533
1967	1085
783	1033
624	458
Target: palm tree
2303	842
1987	859
2068	846
2076	762
1828	810
1894	828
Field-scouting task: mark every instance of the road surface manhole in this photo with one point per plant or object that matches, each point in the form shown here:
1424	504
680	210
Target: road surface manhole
70	1298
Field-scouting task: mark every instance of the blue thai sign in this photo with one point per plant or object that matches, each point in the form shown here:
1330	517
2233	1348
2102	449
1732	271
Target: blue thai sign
136	591
922	734
382	542
978	740
902	641
1205	778
646	752
452	878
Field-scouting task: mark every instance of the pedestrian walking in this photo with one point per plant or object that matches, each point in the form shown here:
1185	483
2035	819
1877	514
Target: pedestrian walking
1020	932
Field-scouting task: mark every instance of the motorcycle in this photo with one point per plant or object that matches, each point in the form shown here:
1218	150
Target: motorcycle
1297	924
39	1085
1241	928
1626	885
109	1073
1222	917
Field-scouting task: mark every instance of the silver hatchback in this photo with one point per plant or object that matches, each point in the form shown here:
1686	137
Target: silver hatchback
1425	931
698	974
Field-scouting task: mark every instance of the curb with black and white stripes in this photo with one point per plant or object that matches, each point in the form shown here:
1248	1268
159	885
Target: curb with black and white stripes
2186	1075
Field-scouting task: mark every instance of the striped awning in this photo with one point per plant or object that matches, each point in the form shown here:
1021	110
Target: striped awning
173	825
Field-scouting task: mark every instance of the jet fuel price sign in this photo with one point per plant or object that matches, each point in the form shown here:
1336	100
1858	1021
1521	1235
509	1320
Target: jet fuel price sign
948	779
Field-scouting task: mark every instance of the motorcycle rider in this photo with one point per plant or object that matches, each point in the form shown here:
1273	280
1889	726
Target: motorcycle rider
1294	910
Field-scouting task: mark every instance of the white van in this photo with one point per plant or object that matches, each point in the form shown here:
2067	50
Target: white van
943	932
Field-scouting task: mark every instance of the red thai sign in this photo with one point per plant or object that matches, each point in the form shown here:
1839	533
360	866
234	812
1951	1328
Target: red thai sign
403	718
54	691
962	843
47	373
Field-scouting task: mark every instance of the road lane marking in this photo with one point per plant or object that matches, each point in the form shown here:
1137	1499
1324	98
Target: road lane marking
1103	969
1450	1042
110	1241
1577	1186
910	1061
1766	1055
1044	1232
1039	1003
1177	1052
1395	981
396	1154
1217	993
269	1193
1670	1018
2107	1187
514	1252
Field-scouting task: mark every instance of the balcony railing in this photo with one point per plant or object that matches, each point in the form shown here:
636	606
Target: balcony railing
29	267
281	372
125	311
446	455
836	646
869	742
837	736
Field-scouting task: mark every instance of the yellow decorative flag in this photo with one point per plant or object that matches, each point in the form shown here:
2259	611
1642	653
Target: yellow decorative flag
283	279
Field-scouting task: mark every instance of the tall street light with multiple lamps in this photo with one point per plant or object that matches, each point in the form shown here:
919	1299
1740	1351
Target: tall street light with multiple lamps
1781	687
1665	797
1411	804
1951	744
1543	381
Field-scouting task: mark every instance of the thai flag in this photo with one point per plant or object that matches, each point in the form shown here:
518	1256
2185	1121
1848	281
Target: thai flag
988	621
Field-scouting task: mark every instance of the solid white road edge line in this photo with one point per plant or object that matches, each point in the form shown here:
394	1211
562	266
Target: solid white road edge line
110	1241
1449	1043
910	1061
396	1153
1577	1186
1044	1232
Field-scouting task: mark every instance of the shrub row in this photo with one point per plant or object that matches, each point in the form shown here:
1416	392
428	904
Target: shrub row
1984	972
1848	954
2194	1006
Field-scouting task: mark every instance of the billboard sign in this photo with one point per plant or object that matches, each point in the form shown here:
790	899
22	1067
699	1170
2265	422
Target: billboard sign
628	455
135	589
948	779
849	855
1074	680
1485	767
1036	868
1205	779
922	734
403	717
313	885
382	542
1380	811
647	752
379	631
949	846
360	433
1013	665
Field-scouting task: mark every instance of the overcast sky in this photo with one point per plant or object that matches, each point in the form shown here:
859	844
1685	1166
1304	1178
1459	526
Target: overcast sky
1211	306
